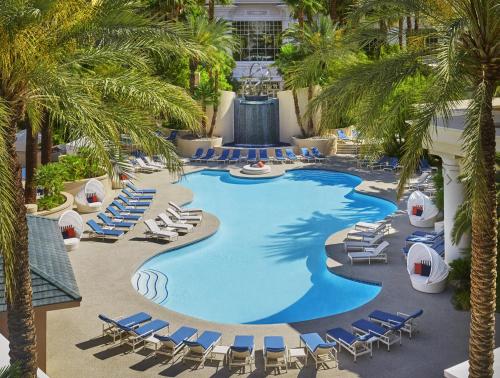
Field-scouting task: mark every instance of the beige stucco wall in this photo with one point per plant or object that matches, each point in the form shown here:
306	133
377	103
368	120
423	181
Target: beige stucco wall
225	116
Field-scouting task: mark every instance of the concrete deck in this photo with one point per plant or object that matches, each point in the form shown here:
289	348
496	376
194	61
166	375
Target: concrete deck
104	270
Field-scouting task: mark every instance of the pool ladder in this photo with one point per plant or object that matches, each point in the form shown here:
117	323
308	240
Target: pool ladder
152	284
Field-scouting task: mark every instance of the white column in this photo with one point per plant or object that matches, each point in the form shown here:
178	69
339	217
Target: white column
453	198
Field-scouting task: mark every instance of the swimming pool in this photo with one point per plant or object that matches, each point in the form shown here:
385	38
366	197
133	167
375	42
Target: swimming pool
266	263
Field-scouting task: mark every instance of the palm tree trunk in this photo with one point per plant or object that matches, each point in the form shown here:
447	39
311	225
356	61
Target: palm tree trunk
46	139
31	160
333	10
310	121
193	65
16	270
484	254
211	10
215	104
297	112
415	23
400	33
408	30
301	17
204	119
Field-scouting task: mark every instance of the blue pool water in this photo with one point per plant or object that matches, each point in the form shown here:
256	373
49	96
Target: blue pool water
266	263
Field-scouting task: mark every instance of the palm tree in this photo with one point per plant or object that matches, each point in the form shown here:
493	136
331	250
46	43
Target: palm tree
87	64
211	7
466	64
303	10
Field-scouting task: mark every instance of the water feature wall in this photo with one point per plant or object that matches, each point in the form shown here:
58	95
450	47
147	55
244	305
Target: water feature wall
256	120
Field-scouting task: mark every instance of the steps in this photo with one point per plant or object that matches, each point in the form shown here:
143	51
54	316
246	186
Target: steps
347	148
152	284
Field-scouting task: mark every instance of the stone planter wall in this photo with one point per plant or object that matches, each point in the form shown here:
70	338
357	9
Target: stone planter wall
73	187
187	147
57	211
327	146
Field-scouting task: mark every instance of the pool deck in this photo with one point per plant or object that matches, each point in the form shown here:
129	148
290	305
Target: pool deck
104	269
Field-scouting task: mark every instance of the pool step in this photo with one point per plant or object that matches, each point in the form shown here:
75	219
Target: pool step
152	284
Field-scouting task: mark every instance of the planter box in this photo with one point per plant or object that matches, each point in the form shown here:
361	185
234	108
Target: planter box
73	187
187	147
327	146
57	211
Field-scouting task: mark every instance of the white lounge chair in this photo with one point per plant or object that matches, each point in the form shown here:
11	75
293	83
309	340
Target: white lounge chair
242	352
143	167
194	219
428	210
153	163
436	281
375	254
373	227
357	345
415	183
356	245
183	210
90	197
71	220
155	232
321	351
275	352
179	227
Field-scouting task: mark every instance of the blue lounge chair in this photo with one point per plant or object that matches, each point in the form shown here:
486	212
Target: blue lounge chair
136	336
137	190
242	352
100	232
317	155
110	223
306	155
224	156
386	318
424	166
172	136
278	155
197	155
252	155
387	335
117	215
127	209
381	163
263	155
438	245
137	197
343	136
354	344
426	237
275	352
169	345
208	156
235	158
392	164
290	155
200	348
320	350
111	327
133	203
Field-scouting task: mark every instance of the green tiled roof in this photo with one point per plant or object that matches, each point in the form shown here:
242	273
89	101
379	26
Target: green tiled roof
52	276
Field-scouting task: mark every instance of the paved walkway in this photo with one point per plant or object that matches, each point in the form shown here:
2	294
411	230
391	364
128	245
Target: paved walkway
104	270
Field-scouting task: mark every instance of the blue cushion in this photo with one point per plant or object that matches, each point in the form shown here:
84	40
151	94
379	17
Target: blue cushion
242	343
274	343
342	334
135	319
386	317
314	341
149	328
367	326
206	340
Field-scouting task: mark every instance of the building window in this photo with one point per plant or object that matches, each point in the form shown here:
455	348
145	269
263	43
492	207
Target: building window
259	40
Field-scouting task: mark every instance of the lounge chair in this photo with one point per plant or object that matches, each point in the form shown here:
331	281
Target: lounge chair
178	227
119	216
242	352
111	224
306	155
343	136
127	209
380	164
317	155
111	326
415	183
356	245
361	235
235	157
263	155
252	156
427	237
320	350
224	156
199	349
137	197
143	167
169	345
208	156
98	231
392	164
424	166
133	203
136	336
355	344
380	226
387	318
388	336
290	155
371	254
275	352
193	219
197	155
278	155
172	136
183	210
437	245
155	164
137	190
154	231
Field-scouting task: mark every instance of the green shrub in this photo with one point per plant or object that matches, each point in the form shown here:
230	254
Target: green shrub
461	300
49	202
439	183
51	178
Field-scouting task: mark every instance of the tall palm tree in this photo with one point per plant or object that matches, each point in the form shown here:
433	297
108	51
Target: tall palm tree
304	10
211	7
466	64
87	64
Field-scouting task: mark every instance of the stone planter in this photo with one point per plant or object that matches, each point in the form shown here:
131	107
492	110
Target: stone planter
57	211
327	146
187	147
73	187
